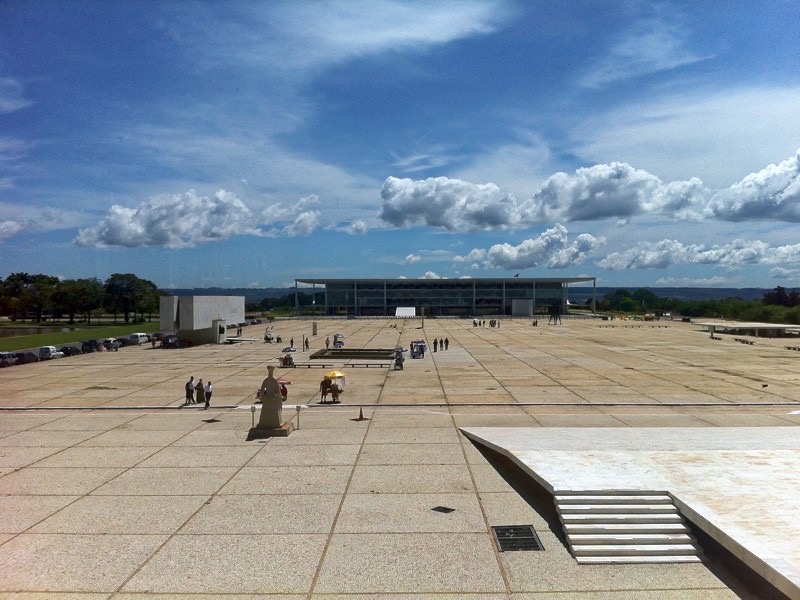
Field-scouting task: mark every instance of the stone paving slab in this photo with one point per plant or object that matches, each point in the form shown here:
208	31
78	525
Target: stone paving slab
230	564
416	562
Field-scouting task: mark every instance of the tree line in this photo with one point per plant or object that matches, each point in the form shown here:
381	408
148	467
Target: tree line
776	306
37	297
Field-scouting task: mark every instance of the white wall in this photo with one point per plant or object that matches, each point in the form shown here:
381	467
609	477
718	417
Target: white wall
192	317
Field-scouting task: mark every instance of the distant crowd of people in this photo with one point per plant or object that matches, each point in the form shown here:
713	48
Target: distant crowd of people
482	323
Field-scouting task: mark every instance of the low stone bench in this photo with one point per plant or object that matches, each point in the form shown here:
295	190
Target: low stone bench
312	366
368	365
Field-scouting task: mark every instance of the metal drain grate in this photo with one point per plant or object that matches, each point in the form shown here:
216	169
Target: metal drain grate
516	537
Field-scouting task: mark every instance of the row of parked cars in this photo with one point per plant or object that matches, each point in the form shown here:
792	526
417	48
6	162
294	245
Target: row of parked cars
8	359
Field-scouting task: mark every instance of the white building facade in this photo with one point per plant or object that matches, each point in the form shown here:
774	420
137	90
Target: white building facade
201	319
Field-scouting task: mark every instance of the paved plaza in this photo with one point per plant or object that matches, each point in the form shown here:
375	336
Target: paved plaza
112	490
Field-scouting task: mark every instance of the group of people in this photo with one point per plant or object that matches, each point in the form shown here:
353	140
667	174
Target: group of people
482	323
203	393
441	344
326	386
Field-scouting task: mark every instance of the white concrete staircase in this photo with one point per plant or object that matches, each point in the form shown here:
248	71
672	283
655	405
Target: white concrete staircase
625	527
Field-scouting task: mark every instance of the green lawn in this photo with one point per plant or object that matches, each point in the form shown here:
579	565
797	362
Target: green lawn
59	338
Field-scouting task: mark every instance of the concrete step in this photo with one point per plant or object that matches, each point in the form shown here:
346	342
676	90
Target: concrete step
610	492
616	560
612	526
624	528
616	508
585	539
673	517
635	550
613	499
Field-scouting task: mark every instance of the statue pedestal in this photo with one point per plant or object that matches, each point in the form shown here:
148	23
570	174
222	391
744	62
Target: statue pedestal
260	433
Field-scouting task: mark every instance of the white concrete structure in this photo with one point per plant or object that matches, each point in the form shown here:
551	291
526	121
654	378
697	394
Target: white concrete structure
738	484
201	319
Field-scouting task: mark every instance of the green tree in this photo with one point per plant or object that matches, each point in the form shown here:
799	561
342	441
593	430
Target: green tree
80	296
16	287
126	293
646	299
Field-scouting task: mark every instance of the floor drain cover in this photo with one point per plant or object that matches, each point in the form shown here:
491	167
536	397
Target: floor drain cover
516	537
443	509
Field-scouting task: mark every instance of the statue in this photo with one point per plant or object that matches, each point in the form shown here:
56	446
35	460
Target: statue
271	402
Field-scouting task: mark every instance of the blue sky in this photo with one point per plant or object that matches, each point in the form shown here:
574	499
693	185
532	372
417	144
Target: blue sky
248	144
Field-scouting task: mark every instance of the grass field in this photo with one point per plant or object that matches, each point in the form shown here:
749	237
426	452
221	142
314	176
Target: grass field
59	338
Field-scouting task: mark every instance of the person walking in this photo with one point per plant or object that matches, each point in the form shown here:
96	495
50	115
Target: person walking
200	398
189	391
291	343
327	342
209	391
446	343
308	345
435	344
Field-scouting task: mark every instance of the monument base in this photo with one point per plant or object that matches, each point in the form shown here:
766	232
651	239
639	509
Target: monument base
260	433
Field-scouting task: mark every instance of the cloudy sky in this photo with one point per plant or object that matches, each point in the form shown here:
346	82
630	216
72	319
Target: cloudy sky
249	144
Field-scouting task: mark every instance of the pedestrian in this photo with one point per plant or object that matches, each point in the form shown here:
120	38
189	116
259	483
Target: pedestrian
291	343
441	344
435	343
189	391
201	393
209	391
324	387
308	345
284	392
327	342
446	343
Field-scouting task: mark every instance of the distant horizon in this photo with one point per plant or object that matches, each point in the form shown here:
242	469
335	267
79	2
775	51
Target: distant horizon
652	144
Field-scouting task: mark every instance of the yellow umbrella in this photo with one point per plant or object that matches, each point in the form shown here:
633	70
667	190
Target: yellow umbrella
334	375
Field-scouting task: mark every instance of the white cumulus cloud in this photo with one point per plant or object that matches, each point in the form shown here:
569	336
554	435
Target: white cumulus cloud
615	190
304	224
173	221
665	253
552	248
357	227
10	229
450	204
770	194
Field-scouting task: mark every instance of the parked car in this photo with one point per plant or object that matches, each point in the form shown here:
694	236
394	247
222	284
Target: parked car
170	341
49	353
111	344
89	346
70	350
26	357
138	338
7	359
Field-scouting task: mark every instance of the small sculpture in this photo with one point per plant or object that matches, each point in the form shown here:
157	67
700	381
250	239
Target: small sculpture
271	402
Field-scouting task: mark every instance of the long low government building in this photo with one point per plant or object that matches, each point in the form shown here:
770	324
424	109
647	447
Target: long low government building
504	296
